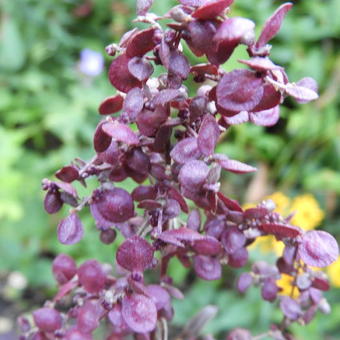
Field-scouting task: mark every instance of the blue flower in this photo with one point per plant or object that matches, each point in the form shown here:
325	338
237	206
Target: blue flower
91	62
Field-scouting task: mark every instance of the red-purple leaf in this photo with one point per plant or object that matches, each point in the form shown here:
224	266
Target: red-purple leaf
174	194
260	64
258	212
232	239
193	175
301	93
135	254
281	230
207	268
211	9
65	289
92	276
185	150
193	3
309	83
70	229
290	308
208	135
270	98
166	96
208	246
239	90
141	43
140	68
120	133
111	105
67	174
234	166
148	122
318	248
159	295
240	118
133	103
120	76
178	64
143	6
52	202
139	313
101	140
230	203
114	205
266	117
273	24
232	30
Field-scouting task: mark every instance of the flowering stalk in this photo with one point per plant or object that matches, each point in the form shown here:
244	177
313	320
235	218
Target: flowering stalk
171	156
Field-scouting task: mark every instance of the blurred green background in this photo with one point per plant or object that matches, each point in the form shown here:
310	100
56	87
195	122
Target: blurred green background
48	112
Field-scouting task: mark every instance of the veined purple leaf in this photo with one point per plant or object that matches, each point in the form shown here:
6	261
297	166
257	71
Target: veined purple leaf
141	43
234	166
273	24
238	258
177	236
194	220
185	150
281	230
135	254
301	93
208	135
193	3
178	64
139	313
208	246
65	289
244	282
193	175
257	212
230	203
101	141
120	133
52	202
67	174
168	95
112	205
133	103
111	105
232	30
120	76
148	122
239	90
159	295
92	276
174	194
260	64
270	98
207	268
140	68
240	118
116	319
318	248
266	117
308	83
290	308
232	239
70	230
143	6
211	9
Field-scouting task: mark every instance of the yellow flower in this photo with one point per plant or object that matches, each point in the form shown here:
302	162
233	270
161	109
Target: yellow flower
281	201
308	214
334	273
268	244
286	284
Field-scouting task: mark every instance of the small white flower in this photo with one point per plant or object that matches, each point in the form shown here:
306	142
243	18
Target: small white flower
91	62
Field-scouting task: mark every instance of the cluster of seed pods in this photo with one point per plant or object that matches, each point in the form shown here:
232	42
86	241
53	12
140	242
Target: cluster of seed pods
153	132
